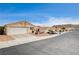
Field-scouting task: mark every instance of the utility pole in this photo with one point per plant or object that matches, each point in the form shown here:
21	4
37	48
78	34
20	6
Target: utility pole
25	20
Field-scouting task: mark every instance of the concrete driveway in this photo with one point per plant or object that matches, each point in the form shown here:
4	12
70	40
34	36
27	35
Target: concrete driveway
66	44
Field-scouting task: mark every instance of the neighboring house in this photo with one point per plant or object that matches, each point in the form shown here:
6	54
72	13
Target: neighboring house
63	28
18	28
40	30
56	28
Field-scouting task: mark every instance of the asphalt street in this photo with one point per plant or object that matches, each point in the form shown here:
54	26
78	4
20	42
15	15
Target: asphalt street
66	44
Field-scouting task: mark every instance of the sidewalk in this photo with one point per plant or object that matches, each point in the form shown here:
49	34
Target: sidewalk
21	39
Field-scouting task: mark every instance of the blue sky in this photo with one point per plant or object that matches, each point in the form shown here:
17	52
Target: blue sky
39	13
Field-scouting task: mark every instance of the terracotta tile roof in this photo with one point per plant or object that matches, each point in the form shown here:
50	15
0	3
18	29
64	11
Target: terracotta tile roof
20	24
41	28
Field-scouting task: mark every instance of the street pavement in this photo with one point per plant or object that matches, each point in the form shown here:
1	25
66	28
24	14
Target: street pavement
66	44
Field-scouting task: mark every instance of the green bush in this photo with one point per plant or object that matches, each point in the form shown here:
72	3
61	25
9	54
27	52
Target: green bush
1	27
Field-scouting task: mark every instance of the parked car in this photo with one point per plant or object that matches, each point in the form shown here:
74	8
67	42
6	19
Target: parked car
51	32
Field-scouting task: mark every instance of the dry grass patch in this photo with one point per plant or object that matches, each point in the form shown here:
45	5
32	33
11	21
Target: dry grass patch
5	38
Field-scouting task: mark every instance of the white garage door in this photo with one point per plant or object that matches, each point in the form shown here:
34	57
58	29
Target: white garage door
13	31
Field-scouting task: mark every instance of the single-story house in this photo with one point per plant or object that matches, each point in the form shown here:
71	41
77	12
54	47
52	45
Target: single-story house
40	29
57	28
18	28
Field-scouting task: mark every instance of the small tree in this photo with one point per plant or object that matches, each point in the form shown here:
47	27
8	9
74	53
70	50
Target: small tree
1	30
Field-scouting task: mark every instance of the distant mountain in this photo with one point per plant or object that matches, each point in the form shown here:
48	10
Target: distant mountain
68	25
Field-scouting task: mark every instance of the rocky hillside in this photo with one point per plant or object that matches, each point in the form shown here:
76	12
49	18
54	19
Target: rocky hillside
68	25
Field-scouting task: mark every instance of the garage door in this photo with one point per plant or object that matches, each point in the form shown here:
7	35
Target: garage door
13	31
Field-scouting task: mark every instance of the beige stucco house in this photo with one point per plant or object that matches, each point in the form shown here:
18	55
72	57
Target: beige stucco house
64	28
18	28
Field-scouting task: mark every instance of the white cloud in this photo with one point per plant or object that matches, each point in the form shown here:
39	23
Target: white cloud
57	21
